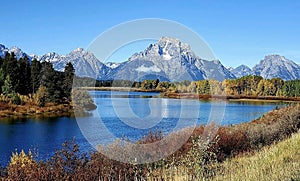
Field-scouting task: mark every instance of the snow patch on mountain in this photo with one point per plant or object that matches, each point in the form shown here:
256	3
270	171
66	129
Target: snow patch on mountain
153	68
112	64
167	56
51	57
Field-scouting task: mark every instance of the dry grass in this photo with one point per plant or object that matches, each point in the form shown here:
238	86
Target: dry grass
28	110
280	161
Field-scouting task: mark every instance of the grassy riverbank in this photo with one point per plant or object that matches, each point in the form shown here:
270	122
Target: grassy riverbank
126	89
237	149
277	162
175	95
227	97
280	161
30	107
11	111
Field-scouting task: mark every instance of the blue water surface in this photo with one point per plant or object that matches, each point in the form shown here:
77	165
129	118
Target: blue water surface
122	114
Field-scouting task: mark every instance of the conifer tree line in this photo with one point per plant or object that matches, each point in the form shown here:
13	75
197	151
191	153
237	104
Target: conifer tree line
22	77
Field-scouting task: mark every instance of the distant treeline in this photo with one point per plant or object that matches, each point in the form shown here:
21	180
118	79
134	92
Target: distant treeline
20	77
146	84
251	85
245	86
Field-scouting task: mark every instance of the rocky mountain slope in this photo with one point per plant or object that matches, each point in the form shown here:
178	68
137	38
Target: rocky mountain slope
241	71
273	66
17	51
84	62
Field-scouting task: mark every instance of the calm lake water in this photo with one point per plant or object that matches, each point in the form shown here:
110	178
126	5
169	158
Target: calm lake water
121	114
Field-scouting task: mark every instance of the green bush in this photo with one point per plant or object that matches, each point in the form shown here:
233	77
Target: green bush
82	99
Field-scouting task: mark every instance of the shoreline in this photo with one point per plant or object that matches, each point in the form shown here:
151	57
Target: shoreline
229	97
130	89
199	96
14	112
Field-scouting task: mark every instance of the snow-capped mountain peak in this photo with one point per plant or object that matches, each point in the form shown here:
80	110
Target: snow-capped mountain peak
17	52
2	47
78	50
84	62
167	43
273	66
169	59
50	57
171	47
15	49
3	51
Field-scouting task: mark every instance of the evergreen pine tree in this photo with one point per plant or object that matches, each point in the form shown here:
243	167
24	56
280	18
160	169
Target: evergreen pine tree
7	88
47	78
11	68
1	61
35	74
52	80
68	80
24	86
2	78
58	88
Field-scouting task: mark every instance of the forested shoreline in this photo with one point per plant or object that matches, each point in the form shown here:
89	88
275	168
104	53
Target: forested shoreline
251	87
32	88
22	77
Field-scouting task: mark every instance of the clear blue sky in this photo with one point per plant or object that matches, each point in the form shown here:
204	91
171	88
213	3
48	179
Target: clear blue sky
238	31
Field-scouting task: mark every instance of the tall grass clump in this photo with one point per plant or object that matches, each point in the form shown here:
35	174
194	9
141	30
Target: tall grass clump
279	161
196	164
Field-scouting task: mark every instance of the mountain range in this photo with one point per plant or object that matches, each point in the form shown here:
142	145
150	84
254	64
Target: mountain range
168	60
